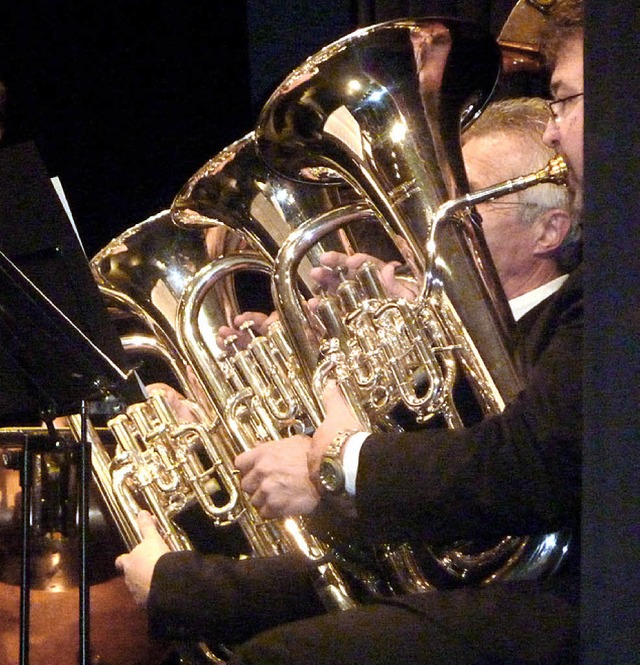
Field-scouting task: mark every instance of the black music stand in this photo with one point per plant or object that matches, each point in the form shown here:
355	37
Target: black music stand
49	366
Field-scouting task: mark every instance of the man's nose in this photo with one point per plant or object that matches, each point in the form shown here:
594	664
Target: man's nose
551	135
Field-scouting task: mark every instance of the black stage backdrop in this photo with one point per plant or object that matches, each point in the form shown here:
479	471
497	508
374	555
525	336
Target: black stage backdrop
124	99
611	507
127	98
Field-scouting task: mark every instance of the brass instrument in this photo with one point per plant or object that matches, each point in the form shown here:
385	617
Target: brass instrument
158	277
387	351
394	135
381	110
520	35
361	140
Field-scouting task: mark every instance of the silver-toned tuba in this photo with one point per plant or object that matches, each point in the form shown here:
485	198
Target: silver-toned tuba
393	132
153	276
361	142
381	111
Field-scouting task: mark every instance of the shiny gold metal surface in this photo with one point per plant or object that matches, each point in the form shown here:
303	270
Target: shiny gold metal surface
159	280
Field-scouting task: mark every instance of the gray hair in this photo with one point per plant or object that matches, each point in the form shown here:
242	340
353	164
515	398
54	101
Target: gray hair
526	118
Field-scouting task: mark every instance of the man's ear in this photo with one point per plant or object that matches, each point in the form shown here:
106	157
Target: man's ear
551	228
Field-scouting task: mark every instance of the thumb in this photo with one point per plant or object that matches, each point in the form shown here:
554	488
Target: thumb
120	562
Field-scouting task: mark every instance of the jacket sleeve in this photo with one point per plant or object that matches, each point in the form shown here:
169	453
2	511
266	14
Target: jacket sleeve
517	472
218	599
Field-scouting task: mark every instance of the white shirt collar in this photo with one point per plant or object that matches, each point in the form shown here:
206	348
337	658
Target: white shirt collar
527	301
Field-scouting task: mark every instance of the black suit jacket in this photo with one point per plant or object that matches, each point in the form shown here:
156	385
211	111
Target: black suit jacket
516	473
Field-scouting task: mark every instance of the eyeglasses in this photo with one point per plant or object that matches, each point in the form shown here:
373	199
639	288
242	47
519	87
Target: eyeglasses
558	107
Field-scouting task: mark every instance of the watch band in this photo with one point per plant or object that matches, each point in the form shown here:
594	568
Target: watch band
337	443
331	473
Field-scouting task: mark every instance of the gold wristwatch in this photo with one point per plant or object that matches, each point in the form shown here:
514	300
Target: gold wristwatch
331	472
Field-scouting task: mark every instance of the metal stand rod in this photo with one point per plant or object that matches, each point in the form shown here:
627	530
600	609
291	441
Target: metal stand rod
25	580
84	655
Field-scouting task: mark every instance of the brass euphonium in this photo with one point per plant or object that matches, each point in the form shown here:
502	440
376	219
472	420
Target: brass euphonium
354	136
384	109
158	280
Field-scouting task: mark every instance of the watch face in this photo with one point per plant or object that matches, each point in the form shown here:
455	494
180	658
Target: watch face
331	475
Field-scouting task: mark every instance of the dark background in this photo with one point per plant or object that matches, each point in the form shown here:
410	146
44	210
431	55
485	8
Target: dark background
127	99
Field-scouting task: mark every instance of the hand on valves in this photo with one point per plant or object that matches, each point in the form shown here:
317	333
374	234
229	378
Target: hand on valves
282	476
243	326
336	264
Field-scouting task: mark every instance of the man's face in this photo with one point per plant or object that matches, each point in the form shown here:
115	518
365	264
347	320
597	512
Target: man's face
566	133
489	160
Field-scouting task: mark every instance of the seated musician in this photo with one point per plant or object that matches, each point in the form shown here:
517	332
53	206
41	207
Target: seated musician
518	473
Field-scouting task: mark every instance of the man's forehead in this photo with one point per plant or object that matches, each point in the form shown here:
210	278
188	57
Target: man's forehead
567	76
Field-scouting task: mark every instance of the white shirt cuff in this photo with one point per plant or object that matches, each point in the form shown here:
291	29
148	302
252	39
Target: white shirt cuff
350	458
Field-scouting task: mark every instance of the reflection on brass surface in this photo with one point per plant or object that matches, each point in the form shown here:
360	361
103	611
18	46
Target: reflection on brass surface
54	551
118	627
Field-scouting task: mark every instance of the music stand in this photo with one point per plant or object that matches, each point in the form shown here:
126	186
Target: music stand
49	366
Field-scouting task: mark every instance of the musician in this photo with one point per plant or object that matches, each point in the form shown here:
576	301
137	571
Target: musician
517	473
533	237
